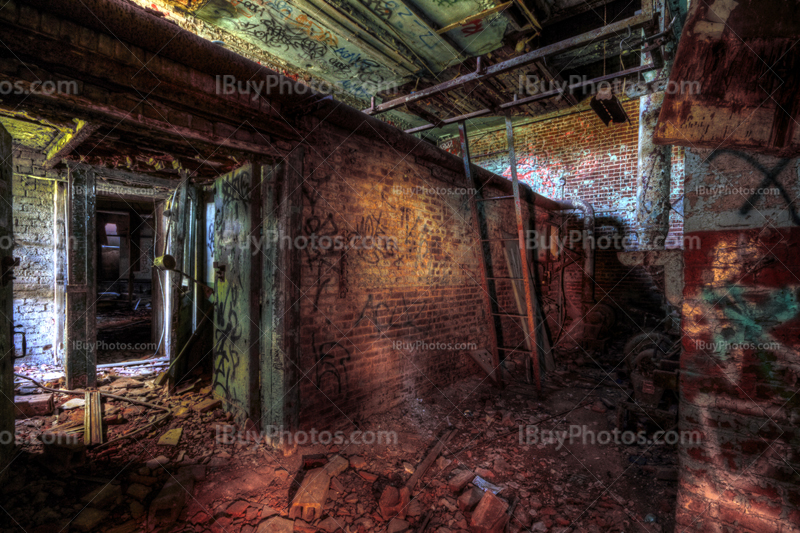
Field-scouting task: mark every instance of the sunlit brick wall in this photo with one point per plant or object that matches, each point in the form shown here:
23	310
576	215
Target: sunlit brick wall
33	245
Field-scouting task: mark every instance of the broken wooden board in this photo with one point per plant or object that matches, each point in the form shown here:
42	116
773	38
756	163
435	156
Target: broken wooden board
310	499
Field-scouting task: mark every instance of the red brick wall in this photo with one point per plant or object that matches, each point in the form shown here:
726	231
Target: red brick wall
740	362
426	289
576	156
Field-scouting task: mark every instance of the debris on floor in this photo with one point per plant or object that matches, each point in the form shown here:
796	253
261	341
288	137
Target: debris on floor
179	463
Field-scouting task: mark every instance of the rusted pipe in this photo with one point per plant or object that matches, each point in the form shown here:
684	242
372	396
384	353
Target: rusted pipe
588	249
588	284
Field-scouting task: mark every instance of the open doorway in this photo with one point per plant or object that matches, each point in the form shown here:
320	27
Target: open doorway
125	251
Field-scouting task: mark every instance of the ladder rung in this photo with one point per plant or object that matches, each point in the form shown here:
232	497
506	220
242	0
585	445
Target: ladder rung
523	350
495	198
509	314
510	279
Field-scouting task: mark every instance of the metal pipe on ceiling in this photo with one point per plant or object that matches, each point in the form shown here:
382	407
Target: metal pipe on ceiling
634	22
533	98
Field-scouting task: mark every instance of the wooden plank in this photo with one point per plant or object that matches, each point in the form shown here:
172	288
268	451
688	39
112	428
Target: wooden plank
479	228
733	86
66	142
523	253
158	280
81	319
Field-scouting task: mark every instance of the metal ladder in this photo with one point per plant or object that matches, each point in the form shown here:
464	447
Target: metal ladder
479	222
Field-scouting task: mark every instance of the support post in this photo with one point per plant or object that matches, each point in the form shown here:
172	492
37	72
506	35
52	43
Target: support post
282	215
81	319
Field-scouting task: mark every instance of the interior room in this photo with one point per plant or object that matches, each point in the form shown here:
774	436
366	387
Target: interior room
443	266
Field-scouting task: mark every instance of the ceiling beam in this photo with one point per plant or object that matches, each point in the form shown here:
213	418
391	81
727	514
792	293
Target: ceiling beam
66	142
530	99
635	22
127	177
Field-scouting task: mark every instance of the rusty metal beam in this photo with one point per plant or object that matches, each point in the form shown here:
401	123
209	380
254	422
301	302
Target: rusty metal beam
530	99
635	22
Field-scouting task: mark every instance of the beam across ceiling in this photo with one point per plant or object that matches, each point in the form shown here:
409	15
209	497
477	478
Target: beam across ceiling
533	98
634	22
127	177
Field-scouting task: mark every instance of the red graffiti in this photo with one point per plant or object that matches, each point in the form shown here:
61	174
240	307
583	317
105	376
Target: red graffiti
471	28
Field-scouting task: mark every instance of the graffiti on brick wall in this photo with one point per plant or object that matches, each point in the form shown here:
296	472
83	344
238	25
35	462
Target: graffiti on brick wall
395	239
769	181
743	317
420	253
330	367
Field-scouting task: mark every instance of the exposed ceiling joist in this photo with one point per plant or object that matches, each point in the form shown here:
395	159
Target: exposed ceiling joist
527	100
66	142
127	177
634	22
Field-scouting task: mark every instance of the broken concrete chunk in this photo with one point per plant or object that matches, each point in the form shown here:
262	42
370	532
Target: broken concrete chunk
167	506
490	515
336	466
137	510
171	437
237	509
138	491
157	463
330	525
358	462
276	525
459	480
207	405
103	497
369	477
394	502
89	519
337	486
311	496
442	462
398	526
73	404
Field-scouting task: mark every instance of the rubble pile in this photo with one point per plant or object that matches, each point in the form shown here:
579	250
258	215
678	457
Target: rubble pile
455	465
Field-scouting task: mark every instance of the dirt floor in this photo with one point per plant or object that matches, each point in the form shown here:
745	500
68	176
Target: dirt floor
216	478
